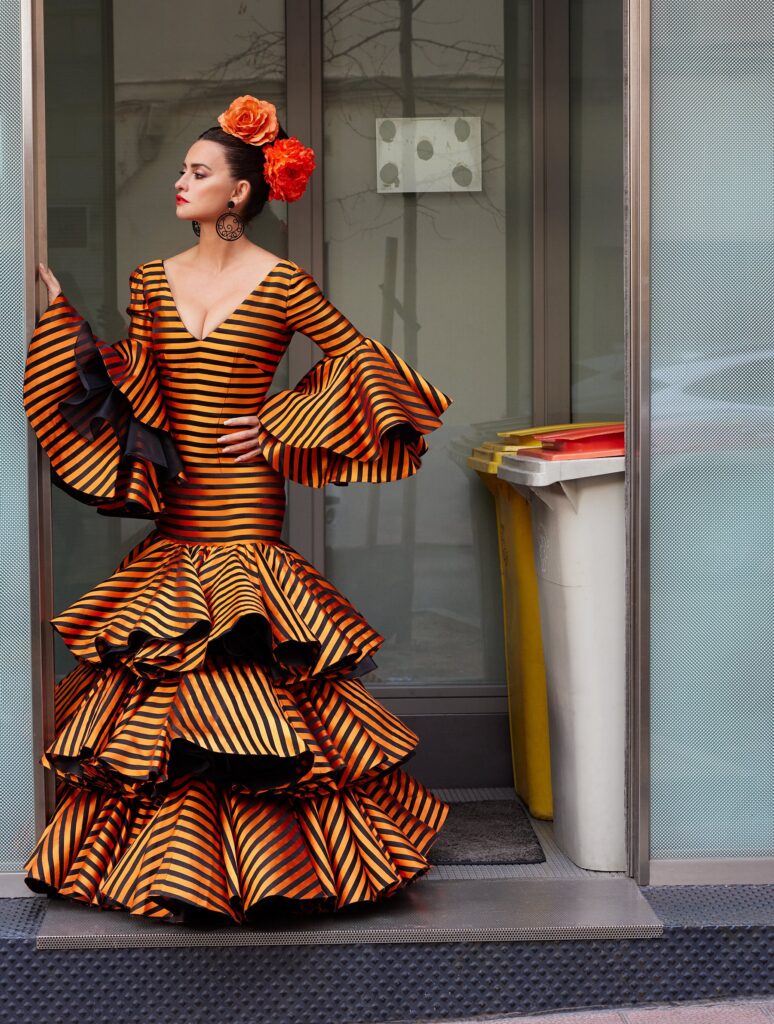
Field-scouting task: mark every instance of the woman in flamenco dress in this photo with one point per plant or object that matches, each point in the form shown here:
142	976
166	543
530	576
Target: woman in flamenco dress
214	750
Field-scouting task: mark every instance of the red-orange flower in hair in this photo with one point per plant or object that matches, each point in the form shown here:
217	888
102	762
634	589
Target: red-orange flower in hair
287	167
250	119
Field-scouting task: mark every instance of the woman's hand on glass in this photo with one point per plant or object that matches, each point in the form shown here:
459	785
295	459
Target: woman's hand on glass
48	279
243	444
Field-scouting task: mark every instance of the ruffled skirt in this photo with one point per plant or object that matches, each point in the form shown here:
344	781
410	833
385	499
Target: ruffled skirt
215	751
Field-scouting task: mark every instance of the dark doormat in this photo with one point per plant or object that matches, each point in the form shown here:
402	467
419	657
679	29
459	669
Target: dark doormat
487	832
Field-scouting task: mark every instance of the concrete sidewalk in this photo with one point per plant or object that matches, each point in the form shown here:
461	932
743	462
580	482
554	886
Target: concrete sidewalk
740	1011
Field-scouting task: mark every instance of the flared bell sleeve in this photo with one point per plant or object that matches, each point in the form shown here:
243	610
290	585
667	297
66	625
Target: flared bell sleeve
97	409
361	413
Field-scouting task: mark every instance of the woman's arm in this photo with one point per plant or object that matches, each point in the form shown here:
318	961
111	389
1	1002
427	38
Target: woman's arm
97	409
359	414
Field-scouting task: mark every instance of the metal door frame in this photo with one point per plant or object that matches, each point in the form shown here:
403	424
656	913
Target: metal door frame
306	239
637	385
38	477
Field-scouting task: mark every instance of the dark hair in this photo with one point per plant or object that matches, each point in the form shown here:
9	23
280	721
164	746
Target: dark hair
244	161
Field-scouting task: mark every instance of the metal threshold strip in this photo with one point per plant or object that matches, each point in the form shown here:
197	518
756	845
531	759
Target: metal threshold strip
444	911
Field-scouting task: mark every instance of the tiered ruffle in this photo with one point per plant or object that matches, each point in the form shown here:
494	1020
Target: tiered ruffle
98	413
209	852
227	721
168	604
361	416
214	749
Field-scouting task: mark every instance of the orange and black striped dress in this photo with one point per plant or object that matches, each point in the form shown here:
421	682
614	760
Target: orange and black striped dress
215	751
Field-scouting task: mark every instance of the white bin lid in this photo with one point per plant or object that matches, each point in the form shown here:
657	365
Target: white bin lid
531	472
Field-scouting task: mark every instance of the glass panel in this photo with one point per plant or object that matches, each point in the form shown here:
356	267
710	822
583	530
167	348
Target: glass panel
122	107
596	209
444	278
17	795
712	468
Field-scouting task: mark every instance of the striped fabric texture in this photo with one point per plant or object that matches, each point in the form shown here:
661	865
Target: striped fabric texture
215	752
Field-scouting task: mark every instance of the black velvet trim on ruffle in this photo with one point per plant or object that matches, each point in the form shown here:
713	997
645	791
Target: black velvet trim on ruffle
249	639
102	402
128	510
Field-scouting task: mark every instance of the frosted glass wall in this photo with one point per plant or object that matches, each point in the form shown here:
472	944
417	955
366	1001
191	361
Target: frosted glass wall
17	811
712	514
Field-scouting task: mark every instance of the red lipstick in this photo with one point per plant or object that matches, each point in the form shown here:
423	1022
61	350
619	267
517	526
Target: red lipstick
180	199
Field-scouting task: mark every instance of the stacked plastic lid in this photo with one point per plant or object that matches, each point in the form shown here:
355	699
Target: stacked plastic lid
586	442
485	458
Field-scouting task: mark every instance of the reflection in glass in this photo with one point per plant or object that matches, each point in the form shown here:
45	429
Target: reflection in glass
443	278
596	210
122	107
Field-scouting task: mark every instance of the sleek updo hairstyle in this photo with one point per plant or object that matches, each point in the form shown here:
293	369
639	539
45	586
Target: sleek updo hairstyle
244	161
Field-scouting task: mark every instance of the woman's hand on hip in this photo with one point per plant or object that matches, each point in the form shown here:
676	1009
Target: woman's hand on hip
243	444
54	288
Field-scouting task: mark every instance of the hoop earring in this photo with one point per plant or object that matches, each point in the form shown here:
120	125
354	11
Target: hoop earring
230	225
196	229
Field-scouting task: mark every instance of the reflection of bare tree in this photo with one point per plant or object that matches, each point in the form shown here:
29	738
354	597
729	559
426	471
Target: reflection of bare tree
361	38
264	50
250	57
372	49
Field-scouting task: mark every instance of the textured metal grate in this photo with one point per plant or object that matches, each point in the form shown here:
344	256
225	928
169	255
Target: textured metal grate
17	821
369	983
21	918
712	408
700	906
356	938
696	958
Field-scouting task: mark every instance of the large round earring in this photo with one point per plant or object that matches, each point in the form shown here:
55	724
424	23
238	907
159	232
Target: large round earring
230	225
196	229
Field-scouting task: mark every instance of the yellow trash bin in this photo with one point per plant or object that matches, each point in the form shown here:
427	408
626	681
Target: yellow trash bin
527	703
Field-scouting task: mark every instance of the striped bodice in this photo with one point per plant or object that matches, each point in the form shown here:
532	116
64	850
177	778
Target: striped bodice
224	375
359	414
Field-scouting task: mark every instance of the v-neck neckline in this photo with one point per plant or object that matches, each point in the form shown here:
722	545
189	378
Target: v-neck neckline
233	312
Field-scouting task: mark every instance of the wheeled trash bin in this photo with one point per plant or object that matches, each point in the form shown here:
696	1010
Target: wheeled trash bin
576	505
527	704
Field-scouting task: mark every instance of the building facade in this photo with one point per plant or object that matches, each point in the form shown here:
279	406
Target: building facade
601	248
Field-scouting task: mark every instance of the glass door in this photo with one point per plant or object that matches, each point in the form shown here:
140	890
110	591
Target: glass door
427	171
427	122
429	239
122	106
